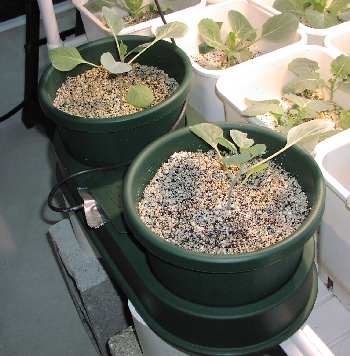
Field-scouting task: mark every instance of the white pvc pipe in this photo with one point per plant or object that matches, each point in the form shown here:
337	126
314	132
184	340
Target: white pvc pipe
50	24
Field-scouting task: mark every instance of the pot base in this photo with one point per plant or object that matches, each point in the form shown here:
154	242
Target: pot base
192	327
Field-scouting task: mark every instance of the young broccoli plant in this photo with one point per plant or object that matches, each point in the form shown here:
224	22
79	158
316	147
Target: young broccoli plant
237	45
236	161
134	8
316	13
307	76
66	59
301	100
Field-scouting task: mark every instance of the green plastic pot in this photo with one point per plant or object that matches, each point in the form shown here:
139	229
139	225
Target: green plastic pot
223	280
117	140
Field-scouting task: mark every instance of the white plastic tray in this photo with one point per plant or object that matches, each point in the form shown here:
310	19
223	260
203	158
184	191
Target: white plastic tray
339	39
265	79
95	28
315	35
202	96
332	155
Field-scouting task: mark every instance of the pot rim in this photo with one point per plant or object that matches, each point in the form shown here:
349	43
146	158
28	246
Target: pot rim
74	121
176	255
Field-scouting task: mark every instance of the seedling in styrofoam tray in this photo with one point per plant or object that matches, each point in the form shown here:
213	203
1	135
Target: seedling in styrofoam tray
237	45
303	97
316	13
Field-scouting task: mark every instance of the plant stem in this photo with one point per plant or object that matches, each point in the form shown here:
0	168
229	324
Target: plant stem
92	64
234	179
145	49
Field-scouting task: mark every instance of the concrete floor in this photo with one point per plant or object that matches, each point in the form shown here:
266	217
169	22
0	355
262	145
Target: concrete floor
37	315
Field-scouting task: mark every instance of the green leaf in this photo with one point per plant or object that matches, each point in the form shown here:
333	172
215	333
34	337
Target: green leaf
298	85
241	139
133	5
308	130
237	160
345	85
97	5
257	150
338	5
315	18
258	168
304	68
241	27
140	96
319	105
280	27
174	29
311	106
113	20
227	144
295	7
345	120
261	107
123	50
231	40
210	133
65	59
239	56
209	31
344	15
203	48
112	66
340	67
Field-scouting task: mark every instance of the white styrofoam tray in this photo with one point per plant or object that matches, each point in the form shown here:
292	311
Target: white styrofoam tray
339	39
202	96
315	35
96	29
332	155
265	79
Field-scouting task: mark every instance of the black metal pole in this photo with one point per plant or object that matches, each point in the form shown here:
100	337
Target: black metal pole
31	109
160	11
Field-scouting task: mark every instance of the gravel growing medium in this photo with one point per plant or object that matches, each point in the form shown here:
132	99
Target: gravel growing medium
98	94
217	59
186	204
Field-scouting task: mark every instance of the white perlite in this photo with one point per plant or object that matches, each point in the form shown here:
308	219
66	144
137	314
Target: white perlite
186	204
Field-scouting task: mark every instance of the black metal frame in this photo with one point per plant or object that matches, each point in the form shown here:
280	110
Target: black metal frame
32	114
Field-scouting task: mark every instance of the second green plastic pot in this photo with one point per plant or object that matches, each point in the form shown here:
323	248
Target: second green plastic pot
107	141
223	280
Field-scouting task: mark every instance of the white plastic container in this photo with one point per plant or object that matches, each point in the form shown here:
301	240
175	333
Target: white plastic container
151	344
332	155
96	29
303	343
339	39
315	35
202	96
265	79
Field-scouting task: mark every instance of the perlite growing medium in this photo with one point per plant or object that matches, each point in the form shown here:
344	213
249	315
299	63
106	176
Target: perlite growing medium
186	204
99	94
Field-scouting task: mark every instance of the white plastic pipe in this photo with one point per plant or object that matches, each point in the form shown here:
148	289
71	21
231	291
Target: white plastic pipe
50	24
306	343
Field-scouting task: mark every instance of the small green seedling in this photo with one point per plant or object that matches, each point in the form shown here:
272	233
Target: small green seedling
236	47
316	13
135	8
307	78
66	59
242	150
